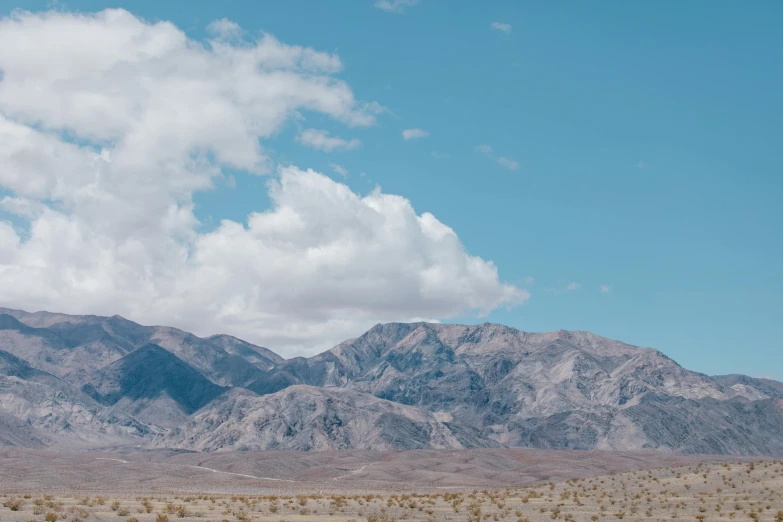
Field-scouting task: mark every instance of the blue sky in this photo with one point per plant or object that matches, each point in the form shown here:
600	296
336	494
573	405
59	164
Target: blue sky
633	145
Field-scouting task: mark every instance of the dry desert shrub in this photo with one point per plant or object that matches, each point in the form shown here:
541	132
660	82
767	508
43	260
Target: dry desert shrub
380	517
77	514
14	504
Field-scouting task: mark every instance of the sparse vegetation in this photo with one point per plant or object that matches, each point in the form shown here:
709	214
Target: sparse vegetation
14	504
690	493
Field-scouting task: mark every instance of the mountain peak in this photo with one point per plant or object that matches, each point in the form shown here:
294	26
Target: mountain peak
9	322
149	371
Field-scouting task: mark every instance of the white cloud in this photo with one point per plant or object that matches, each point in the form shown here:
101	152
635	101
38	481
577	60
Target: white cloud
508	163
321	140
605	289
225	28
413	134
503	28
570	287
641	165
395	6
153	117
529	281
339	169
500	160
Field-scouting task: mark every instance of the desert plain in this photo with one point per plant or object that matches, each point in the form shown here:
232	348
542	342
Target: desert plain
492	485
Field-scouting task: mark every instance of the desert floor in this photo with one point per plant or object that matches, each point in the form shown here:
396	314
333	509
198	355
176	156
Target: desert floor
469	486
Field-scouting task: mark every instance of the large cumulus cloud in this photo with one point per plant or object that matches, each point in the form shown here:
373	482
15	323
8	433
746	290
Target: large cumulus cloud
108	126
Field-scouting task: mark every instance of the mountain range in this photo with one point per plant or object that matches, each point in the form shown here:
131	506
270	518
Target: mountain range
91	381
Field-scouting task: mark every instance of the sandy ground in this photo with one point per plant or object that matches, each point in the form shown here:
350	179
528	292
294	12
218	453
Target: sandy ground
154	472
696	492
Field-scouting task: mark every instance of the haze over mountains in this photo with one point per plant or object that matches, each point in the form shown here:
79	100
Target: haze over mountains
69	381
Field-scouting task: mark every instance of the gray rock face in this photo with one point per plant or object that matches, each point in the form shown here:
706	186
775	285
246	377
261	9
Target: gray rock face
15	432
309	418
262	358
397	386
71	346
153	385
37	407
750	387
554	390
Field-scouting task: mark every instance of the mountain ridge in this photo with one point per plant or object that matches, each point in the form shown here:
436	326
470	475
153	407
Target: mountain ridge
444	385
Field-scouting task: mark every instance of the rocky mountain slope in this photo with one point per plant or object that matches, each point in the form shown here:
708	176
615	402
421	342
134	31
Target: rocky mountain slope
556	389
153	385
37	408
309	418
397	386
